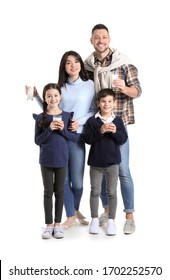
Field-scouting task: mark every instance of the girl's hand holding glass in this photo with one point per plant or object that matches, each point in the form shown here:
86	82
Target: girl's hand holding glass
57	125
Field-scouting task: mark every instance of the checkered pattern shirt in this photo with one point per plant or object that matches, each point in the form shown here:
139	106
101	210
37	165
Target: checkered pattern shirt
128	73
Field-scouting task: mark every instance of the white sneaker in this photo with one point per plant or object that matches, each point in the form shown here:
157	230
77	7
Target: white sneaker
94	226
58	232
111	227
103	219
47	232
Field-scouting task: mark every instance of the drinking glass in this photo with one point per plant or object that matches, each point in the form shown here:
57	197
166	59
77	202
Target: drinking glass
57	118
30	93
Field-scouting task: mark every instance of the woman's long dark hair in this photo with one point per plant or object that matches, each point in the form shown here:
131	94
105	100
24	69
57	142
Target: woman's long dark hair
63	76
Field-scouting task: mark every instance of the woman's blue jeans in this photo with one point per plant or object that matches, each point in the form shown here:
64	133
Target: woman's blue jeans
126	182
73	188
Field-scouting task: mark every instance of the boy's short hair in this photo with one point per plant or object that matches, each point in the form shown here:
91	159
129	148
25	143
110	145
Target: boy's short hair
100	26
105	92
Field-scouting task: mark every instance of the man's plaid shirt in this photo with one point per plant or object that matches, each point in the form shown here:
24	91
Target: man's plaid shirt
128	73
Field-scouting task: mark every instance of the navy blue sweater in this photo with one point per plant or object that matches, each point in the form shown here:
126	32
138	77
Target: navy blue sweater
53	144
104	150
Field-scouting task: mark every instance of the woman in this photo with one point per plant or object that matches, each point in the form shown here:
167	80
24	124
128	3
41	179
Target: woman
78	96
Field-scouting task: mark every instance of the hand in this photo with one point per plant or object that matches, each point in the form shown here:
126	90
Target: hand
108	127
57	125
74	125
120	84
35	90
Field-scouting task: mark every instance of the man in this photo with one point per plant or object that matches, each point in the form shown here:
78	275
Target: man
111	69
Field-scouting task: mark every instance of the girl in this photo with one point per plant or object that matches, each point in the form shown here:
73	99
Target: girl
51	136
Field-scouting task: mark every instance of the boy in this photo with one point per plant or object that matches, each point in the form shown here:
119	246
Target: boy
104	132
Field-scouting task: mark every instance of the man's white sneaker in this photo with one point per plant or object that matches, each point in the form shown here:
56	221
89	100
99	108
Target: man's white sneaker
47	232
103	219
111	227
94	226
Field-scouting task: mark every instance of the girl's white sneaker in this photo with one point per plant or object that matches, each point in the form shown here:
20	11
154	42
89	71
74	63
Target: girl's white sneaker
58	232
47	232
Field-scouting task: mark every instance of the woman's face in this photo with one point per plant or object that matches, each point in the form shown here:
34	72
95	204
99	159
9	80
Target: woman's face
72	67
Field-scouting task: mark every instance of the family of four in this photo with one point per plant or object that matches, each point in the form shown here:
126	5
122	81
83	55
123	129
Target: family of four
94	100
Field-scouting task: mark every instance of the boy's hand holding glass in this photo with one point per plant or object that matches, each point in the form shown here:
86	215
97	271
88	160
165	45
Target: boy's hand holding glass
108	127
112	128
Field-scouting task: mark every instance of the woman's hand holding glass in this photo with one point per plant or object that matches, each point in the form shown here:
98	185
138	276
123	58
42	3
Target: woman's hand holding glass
31	92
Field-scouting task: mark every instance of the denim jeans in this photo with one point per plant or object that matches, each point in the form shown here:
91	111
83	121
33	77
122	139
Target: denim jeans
126	182
73	188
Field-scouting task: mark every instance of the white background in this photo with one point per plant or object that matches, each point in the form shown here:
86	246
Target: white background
34	36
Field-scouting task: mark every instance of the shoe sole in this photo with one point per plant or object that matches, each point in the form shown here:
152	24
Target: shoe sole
110	234
127	233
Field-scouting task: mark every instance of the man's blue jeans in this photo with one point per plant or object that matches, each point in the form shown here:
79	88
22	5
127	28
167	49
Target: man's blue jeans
126	182
73	187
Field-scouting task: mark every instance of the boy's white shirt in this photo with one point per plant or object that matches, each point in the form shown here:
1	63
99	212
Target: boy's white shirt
108	120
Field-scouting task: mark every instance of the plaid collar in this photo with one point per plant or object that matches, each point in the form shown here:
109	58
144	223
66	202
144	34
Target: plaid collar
105	61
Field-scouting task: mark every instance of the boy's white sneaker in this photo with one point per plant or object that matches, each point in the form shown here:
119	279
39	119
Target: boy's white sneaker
94	226
111	227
